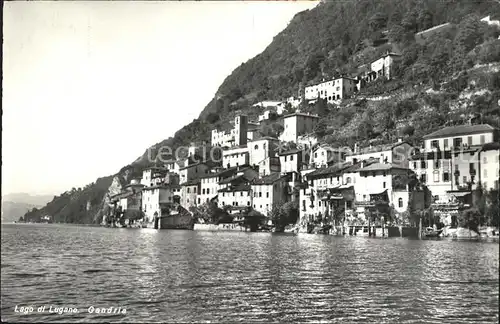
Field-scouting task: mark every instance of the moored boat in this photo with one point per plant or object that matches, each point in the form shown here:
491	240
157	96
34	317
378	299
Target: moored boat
432	232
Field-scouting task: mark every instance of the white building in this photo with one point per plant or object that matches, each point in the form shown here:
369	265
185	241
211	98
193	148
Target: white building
332	90
235	156
237	197
192	171
324	155
291	161
153	196
298	124
397	154
384	66
235	137
488	166
491	22
269	191
449	163
212	182
262	149
269	165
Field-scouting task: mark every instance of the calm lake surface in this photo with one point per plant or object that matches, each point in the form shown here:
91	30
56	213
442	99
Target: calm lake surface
188	276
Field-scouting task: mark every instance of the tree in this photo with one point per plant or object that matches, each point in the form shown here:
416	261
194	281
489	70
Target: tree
320	128
321	107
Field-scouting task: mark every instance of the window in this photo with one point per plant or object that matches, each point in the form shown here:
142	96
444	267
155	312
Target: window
483	139
445	143
465	179
485	160
291	157
285	158
315	155
485	173
423	164
260	194
256	147
267	194
471	166
348	180
446	177
414	165
223	194
248	203
400	202
233	193
436	176
469	140
199	200
457	142
423	178
319	203
383	185
194	189
188	190
434	144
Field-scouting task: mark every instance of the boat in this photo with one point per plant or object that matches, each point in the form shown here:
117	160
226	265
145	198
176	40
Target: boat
432	232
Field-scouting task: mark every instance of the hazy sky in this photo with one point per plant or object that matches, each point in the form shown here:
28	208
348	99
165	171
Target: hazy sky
88	86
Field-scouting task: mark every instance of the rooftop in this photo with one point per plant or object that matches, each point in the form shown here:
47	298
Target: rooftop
242	187
380	167
192	182
491	146
460	130
289	152
227	172
301	114
377	148
163	186
270	179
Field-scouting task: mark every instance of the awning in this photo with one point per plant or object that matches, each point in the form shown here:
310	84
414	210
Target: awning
460	194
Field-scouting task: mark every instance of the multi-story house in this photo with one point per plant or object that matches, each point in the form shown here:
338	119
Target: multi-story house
235	156
262	149
291	161
297	124
192	171
212	182
268	166
237	197
269	191
332	90
397	154
324	155
189	193
449	163
154	196
489	166
237	136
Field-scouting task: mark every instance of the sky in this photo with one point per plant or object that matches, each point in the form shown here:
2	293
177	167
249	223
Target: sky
89	86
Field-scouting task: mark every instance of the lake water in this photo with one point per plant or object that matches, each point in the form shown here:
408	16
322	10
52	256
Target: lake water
188	276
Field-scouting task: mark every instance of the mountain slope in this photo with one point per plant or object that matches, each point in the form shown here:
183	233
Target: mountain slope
333	38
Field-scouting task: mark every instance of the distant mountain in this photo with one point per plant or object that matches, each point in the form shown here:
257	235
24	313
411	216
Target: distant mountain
22	197
15	205
12	211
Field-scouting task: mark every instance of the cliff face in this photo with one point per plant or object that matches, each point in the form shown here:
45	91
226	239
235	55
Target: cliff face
336	37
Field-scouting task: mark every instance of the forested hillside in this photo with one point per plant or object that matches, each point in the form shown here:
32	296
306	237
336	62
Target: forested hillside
449	77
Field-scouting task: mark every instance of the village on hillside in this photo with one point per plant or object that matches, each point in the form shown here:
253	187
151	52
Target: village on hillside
294	182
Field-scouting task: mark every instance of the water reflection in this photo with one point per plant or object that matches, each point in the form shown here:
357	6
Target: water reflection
188	276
